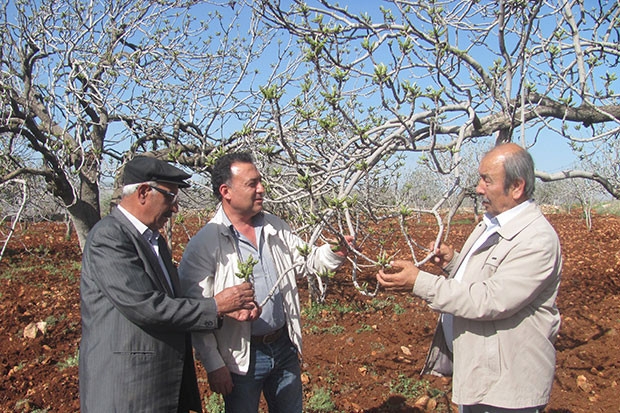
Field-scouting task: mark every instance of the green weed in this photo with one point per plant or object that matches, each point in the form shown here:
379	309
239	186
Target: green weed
399	309
335	329
408	387
15	273
51	321
320	401
71	361
314	311
364	327
24	405
318	310
67	271
214	403
378	304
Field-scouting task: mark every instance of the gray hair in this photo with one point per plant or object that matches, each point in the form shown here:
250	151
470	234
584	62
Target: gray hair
131	188
520	165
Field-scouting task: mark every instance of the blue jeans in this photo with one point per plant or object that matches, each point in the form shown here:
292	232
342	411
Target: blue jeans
275	371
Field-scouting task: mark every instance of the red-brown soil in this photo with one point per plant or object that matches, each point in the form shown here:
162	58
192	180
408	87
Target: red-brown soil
365	353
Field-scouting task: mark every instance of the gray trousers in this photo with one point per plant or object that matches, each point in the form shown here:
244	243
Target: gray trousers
483	408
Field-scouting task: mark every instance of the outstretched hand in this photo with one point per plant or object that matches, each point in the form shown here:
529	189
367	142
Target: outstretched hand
238	297
404	279
443	254
342	247
245	314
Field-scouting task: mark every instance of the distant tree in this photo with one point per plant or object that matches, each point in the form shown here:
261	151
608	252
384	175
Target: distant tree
555	194
16	191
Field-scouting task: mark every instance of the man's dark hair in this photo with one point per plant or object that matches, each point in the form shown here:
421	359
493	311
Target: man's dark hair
520	165
221	173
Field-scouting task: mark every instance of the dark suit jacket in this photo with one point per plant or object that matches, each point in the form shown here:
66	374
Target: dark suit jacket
135	353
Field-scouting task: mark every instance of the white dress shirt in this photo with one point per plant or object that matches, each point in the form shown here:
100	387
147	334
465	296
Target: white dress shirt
152	237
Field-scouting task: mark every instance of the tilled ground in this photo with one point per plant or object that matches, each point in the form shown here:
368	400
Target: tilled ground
361	353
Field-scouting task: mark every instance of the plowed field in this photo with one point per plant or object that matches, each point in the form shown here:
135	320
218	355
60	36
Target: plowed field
361	353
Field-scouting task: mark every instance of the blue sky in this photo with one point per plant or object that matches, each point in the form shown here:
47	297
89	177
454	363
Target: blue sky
551	154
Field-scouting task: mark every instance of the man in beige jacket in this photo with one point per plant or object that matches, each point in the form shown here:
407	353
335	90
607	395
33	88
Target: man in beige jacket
499	320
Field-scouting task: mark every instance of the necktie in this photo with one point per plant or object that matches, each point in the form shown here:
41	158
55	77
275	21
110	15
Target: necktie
154	241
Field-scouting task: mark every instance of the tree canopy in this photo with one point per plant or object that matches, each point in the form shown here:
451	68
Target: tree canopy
332	98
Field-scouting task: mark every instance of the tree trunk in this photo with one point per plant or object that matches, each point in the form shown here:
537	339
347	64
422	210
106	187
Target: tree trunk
84	216
85	212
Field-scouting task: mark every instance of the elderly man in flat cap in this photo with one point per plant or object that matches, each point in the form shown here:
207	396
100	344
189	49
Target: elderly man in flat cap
136	352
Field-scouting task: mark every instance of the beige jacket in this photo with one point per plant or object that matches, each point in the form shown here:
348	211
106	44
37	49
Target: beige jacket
505	318
208	266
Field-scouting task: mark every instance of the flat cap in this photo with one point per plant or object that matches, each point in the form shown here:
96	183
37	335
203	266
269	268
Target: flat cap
144	168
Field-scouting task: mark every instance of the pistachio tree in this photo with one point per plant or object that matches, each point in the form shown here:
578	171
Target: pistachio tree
333	98
86	85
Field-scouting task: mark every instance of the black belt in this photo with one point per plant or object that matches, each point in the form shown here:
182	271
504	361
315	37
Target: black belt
268	338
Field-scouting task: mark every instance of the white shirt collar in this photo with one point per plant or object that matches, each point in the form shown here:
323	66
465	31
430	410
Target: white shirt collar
142	229
503	218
